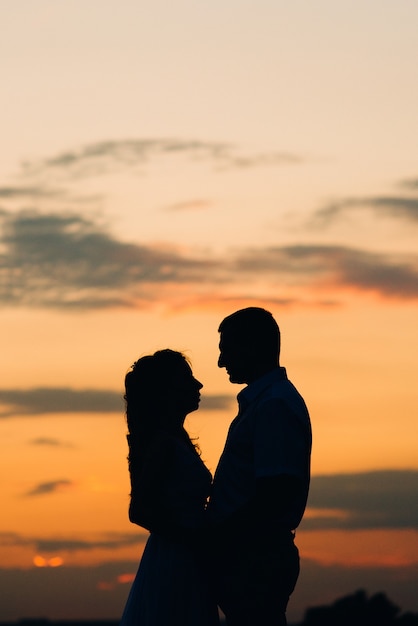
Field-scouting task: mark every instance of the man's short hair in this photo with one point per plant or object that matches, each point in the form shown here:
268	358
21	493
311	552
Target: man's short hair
254	326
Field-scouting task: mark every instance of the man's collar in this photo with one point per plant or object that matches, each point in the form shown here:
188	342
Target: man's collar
254	389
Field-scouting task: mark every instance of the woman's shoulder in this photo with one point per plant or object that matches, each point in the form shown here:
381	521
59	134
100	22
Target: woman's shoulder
173	449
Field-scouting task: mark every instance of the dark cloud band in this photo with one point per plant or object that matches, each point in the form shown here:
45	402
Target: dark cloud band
110	541
53	400
47	400
367	500
396	207
65	261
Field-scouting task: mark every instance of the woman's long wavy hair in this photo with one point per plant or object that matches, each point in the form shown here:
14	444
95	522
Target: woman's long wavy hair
149	388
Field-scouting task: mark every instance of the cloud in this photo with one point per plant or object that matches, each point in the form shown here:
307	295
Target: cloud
396	207
319	584
48	488
53	400
47	400
330	266
66	261
109	541
24	192
49	442
80	593
188	205
409	183
367	500
216	402
108	156
68	593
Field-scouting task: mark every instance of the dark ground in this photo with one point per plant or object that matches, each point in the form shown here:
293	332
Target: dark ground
357	609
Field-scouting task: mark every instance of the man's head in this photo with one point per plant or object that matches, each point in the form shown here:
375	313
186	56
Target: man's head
249	344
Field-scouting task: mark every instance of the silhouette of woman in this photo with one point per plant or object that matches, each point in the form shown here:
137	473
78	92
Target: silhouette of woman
169	489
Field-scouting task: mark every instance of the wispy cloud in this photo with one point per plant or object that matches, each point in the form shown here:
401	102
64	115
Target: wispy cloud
401	207
49	488
50	442
367	500
108	156
24	192
220	301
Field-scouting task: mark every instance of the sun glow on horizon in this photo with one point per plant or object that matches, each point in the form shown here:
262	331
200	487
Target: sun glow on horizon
55	561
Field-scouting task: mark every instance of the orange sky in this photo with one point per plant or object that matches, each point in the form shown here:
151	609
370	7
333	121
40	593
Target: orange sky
161	167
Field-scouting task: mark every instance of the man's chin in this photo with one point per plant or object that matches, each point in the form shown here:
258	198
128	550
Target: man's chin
234	378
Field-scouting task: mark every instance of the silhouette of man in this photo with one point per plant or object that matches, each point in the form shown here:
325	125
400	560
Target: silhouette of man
261	483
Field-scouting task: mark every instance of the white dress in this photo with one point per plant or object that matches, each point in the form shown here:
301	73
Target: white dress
171	587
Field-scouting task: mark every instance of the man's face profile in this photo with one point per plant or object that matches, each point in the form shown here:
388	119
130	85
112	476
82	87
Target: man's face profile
234	357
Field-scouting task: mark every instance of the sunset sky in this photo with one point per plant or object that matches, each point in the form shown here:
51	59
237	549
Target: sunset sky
161	165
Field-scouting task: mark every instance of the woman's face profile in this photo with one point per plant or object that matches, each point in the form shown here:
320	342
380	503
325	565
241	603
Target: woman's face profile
185	391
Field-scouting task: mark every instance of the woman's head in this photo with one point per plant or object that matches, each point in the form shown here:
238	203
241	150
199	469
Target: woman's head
160	390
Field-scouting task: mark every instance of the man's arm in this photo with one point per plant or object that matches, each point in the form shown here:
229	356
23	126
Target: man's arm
274	498
262	516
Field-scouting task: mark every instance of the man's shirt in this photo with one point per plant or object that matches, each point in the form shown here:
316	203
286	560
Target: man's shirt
271	436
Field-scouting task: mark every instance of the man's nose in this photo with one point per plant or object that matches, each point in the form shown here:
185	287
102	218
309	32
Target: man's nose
221	361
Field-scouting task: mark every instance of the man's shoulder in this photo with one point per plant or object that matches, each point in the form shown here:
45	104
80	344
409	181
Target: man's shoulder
279	389
281	397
